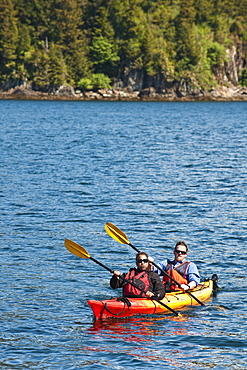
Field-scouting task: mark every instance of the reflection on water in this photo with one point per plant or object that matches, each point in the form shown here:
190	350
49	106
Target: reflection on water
136	328
143	338
171	342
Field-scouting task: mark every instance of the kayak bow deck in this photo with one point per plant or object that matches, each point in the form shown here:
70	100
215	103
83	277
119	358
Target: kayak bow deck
115	307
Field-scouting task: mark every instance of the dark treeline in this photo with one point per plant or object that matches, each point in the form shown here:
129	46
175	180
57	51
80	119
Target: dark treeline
94	43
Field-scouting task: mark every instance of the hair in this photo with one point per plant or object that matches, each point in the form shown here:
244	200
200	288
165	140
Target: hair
141	254
182	243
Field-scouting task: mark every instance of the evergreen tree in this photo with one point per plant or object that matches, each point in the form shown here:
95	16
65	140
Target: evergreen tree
8	40
50	70
103	48
184	22
66	31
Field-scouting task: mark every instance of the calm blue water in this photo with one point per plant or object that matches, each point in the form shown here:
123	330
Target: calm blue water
162	172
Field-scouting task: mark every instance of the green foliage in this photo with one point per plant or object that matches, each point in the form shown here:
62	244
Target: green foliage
243	77
216	54
8	40
98	20
103	53
85	83
49	68
51	42
185	39
94	82
65	30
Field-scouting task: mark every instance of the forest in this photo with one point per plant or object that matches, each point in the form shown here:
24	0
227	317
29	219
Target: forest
91	44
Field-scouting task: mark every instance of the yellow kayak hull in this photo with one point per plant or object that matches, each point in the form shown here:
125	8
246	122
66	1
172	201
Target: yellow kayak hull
141	306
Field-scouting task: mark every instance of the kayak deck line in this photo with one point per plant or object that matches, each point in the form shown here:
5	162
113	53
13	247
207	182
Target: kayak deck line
115	307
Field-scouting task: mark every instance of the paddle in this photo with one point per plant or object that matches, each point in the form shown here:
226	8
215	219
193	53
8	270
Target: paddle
81	252
120	237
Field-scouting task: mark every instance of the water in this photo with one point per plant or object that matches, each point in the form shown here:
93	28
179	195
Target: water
162	172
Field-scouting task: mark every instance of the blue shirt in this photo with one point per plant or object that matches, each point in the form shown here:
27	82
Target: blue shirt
192	273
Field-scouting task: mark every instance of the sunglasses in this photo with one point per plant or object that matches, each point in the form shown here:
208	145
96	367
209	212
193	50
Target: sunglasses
144	261
182	252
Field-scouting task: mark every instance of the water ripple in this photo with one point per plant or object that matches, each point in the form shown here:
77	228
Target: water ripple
161	172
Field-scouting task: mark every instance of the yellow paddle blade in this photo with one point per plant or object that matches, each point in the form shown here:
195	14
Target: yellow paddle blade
116	233
76	249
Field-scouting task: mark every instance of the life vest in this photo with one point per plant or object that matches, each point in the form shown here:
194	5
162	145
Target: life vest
141	279
178	273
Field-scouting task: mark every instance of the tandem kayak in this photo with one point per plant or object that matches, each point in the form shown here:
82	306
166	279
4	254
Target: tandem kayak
122	307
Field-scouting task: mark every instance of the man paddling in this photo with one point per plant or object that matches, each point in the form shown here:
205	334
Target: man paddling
141	276
183	271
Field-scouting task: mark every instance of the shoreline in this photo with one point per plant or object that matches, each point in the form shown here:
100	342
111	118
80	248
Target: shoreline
220	94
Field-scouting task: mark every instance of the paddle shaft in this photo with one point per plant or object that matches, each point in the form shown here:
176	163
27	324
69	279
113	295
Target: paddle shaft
134	285
101	264
170	277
